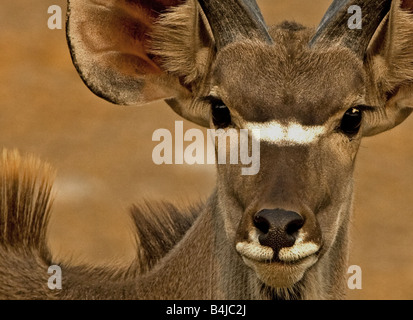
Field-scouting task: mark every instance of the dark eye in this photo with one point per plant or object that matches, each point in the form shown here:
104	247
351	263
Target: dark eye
351	122
221	115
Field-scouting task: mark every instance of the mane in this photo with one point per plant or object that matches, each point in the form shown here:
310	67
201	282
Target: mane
159	226
25	201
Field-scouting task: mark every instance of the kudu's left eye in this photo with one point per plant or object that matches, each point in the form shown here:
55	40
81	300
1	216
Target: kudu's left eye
221	115
351	122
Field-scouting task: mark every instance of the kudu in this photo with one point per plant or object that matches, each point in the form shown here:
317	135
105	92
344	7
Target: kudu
279	234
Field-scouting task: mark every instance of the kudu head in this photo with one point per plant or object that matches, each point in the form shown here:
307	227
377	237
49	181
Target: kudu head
312	95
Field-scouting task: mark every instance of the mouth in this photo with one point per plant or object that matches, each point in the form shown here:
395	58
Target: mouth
252	249
282	270
298	253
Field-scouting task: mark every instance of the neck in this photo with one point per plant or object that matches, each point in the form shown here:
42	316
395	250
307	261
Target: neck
203	265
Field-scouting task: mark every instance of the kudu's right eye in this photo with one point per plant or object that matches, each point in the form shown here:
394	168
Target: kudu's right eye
221	116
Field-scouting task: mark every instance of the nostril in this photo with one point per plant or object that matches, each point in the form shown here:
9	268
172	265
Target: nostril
261	224
294	226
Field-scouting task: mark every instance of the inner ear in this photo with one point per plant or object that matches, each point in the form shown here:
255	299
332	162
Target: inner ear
108	42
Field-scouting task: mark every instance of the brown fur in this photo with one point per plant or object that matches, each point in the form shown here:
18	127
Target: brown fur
191	254
25	202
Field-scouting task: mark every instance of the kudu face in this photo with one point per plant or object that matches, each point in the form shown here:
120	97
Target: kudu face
312	96
289	213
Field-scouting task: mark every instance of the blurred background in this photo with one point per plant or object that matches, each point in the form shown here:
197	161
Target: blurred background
103	154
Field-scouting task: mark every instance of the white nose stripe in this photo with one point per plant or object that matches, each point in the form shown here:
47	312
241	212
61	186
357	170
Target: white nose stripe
291	134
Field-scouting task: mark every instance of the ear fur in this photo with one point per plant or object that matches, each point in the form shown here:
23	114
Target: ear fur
390	67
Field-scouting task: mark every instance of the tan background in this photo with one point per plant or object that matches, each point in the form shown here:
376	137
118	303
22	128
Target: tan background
103	154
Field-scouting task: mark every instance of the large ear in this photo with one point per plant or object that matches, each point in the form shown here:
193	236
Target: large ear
132	52
389	65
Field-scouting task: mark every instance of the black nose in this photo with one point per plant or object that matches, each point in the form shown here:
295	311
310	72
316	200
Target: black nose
279	228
